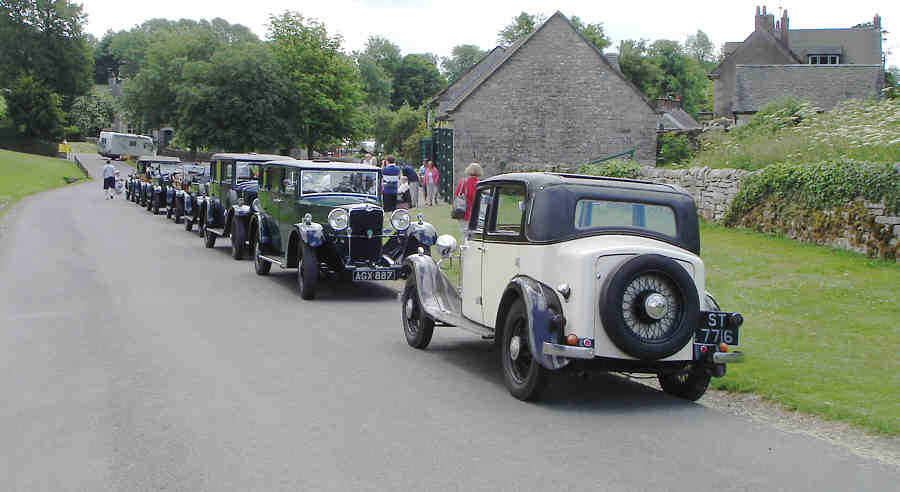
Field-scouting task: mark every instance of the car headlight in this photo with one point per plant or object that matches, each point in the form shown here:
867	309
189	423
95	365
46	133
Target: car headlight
400	220
338	219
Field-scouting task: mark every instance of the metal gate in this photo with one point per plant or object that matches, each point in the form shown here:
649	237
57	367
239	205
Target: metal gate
442	139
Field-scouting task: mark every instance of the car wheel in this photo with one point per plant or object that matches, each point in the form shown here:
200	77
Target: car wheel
650	307
417	326
307	272
209	239
261	266
688	385
524	377
188	223
238	237
179	211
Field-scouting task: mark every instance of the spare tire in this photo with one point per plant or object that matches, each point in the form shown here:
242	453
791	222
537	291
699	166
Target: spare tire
650	307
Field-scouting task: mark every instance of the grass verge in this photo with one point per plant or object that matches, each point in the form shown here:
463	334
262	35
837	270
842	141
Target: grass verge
24	174
821	332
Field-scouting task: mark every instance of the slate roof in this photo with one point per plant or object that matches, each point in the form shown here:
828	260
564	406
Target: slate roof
677	119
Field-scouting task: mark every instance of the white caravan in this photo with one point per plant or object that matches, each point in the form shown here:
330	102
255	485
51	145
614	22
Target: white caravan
115	145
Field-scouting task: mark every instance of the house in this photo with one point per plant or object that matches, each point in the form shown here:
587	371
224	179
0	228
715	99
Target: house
821	66
550	100
672	117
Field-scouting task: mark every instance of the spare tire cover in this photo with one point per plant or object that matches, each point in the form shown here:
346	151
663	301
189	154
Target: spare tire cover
649	307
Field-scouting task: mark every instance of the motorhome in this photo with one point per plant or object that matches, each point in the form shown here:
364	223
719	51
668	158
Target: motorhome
115	145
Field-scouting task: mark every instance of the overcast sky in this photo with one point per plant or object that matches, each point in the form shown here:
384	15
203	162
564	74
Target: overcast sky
430	26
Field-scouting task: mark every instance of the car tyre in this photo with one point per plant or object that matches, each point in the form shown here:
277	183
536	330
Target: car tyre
261	266
307	272
524	376
209	239
238	238
417	326
179	211
690	385
169	212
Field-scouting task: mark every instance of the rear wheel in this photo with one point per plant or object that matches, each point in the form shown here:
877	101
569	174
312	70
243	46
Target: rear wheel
688	385
238	237
169	211
261	266
417	326
179	211
307	272
525	378
209	239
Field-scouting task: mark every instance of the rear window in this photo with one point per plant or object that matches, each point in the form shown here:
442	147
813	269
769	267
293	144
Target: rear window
591	214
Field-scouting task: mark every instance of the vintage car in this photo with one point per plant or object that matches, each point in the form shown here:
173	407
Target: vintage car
579	272
150	171
181	200
325	219
231	191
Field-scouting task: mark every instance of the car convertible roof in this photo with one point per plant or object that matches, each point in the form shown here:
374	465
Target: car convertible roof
337	166
248	157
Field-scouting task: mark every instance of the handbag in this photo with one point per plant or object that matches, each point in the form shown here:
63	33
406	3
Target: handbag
459	203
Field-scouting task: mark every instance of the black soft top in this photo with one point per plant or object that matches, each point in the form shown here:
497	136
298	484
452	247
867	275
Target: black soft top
553	197
159	159
323	164
248	157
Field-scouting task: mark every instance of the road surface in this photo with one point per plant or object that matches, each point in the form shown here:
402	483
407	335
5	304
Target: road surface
135	359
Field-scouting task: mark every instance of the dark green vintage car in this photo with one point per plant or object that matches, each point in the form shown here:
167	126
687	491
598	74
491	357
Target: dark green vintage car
325	219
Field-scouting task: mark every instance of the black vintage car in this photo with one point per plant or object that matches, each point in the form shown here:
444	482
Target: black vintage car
194	183
325	219
226	210
151	171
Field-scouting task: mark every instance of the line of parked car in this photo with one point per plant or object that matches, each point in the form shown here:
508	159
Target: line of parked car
563	272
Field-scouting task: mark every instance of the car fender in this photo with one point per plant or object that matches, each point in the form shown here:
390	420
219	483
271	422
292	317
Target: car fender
437	295
545	321
312	234
212	208
424	233
188	204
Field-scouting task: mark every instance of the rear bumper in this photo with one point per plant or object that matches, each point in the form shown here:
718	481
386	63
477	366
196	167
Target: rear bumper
728	357
568	351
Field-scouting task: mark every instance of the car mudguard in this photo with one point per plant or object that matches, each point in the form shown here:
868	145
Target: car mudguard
438	297
213	207
312	234
544	318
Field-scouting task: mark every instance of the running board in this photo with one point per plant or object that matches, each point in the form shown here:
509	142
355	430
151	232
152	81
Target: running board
462	323
217	232
273	260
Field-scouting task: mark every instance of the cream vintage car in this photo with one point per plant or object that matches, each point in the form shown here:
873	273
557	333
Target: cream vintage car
579	272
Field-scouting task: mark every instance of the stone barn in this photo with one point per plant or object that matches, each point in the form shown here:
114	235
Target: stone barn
550	100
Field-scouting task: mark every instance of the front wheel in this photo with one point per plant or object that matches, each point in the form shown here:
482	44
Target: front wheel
188	224
179	211
307	272
524	377
689	385
417	326
261	266
209	239
237	241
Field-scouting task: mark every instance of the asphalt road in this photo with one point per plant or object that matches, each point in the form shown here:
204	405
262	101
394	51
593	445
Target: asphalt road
135	359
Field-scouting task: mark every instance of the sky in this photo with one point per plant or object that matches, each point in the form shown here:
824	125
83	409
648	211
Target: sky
430	26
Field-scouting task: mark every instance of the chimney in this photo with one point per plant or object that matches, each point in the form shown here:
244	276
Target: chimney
877	21
668	103
613	59
785	27
764	20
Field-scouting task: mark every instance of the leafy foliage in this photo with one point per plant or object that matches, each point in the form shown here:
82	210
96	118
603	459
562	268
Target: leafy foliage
416	80
674	148
34	108
394	129
613	168
593	32
521	25
700	47
376	82
92	113
663	68
463	57
819	185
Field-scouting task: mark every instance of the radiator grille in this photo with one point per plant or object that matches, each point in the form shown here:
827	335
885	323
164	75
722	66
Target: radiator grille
362	247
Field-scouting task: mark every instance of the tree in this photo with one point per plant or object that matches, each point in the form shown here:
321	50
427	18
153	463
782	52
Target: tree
235	101
92	113
34	108
44	39
463	57
521	26
385	53
376	82
682	74
593	32
324	82
639	68
417	79
700	47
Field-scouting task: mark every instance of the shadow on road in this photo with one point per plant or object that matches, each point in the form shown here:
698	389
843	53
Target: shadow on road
333	291
566	392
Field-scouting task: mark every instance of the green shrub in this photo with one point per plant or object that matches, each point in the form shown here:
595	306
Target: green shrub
35	110
674	149
72	133
817	186
613	168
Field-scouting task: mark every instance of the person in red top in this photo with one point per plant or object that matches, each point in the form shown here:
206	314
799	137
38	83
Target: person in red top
467	185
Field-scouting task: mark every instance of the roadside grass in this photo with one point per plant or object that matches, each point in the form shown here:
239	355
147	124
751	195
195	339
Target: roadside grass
24	174
822	328
83	147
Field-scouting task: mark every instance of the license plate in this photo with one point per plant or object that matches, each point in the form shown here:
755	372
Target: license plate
360	275
713	329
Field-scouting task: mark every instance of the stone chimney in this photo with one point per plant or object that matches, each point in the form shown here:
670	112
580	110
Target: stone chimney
877	21
668	103
764	20
613	59
782	28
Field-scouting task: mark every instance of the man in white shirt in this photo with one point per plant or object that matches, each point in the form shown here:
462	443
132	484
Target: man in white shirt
109	180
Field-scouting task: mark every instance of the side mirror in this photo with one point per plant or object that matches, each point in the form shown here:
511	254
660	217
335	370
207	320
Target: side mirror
446	245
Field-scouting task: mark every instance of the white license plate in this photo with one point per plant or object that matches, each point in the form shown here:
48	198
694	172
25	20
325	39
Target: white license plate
360	275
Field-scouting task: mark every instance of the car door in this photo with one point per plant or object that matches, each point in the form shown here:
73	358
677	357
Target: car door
504	240
269	202
287	214
472	256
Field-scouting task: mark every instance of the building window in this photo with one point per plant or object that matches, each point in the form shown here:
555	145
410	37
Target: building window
824	59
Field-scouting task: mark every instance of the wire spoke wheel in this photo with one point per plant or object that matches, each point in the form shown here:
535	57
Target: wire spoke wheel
652	307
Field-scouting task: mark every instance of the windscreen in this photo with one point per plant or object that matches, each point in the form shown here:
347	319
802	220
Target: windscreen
339	181
247	171
590	214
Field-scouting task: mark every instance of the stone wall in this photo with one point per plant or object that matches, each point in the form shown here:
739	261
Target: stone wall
712	189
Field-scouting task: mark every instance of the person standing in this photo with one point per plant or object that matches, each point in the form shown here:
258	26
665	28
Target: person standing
412	178
369	160
109	180
431	182
390	178
466	187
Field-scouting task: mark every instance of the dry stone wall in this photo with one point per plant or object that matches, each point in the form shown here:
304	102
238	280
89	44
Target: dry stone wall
712	189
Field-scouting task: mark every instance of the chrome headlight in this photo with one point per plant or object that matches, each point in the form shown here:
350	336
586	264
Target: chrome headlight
400	219
338	219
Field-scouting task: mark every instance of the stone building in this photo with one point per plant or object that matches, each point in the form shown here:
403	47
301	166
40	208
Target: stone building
821	66
551	99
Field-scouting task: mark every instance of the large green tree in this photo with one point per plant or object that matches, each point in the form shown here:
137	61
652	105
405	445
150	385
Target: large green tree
385	53
35	110
376	82
700	48
682	74
417	79
463	57
92	113
324	82
593	32
521	26
45	39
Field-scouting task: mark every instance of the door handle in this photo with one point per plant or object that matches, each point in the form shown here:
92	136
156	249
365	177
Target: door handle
480	248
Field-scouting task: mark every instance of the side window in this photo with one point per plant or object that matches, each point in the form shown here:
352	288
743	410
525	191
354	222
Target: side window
227	169
481	208
132	144
290	181
510	204
213	177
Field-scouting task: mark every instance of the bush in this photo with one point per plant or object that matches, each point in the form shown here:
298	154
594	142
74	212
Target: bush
613	168
674	149
817	186
72	133
34	109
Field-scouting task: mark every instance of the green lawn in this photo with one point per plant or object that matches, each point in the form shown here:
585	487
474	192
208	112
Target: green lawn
83	147
24	174
822	329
